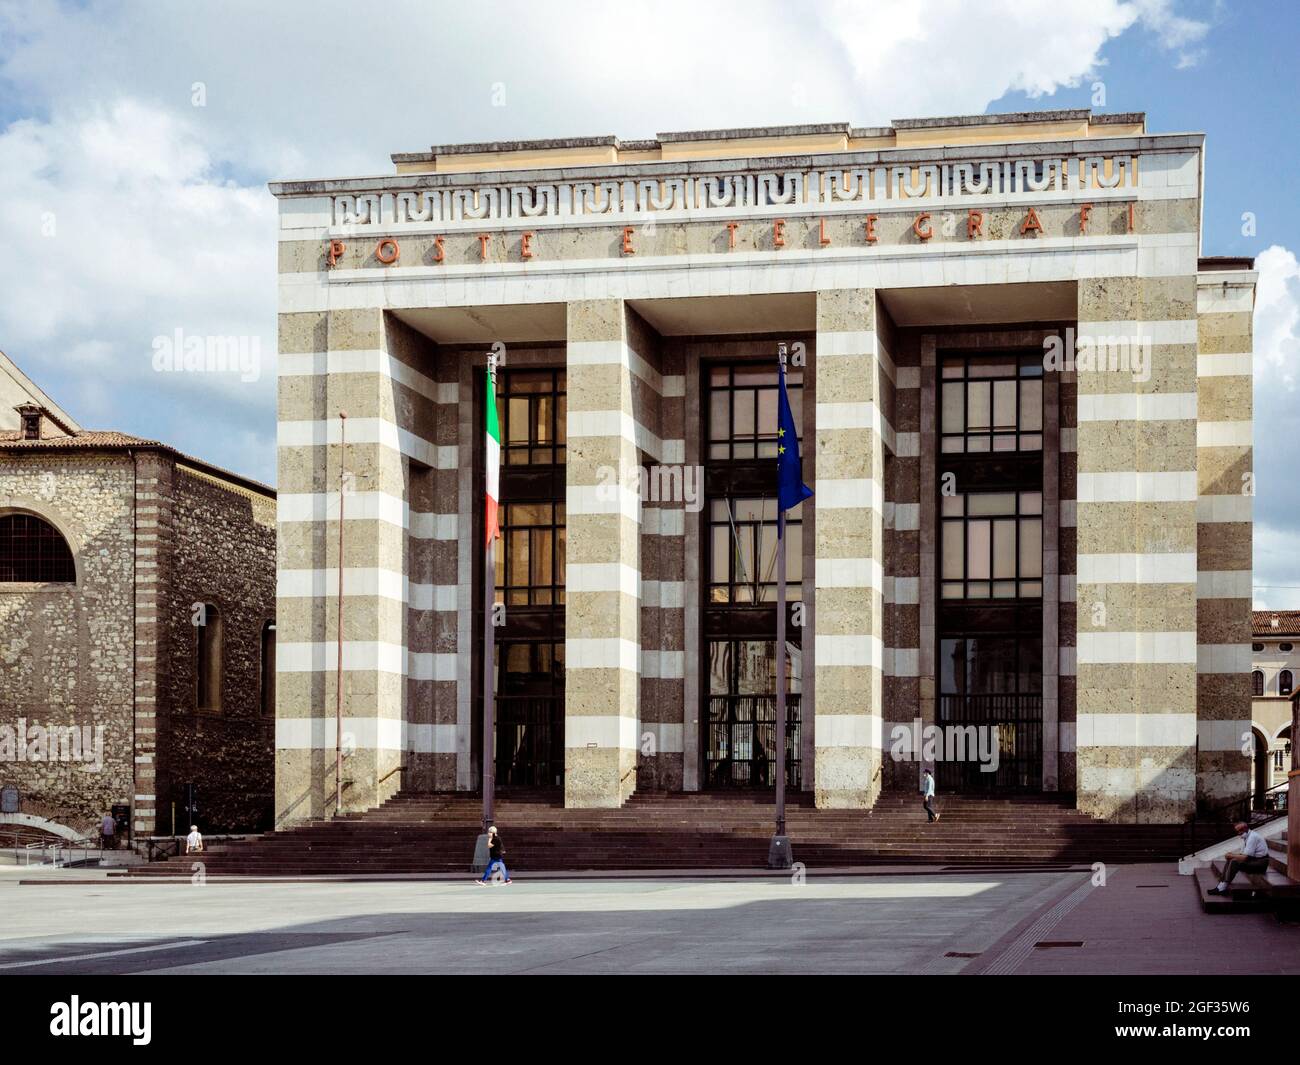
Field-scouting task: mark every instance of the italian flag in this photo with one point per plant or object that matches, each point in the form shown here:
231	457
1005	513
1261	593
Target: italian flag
493	465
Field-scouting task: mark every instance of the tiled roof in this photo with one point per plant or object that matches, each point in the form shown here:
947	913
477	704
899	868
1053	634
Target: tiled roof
87	438
109	440
1288	622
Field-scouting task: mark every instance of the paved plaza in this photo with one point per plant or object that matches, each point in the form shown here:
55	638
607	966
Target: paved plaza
1145	919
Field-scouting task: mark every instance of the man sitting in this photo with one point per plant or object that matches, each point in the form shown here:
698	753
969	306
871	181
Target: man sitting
1253	860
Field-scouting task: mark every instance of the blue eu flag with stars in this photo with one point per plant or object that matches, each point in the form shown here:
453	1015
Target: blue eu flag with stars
790	489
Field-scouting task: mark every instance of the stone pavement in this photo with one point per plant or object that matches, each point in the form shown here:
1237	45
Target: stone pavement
923	923
1147	919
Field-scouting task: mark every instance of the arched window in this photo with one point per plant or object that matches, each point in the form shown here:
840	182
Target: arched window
207	660
1284	682
31	549
268	669
1257	682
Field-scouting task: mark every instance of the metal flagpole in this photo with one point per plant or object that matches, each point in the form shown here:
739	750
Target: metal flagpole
489	639
338	678
780	672
778	853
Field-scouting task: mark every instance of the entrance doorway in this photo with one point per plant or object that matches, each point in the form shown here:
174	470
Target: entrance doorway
530	715
740	740
991	699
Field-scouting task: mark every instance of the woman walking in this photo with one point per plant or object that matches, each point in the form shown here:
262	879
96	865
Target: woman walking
496	856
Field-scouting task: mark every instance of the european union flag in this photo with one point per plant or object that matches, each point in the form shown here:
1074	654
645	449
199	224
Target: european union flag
790	489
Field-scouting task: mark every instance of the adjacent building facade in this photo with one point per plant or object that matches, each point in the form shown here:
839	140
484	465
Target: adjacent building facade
1275	666
137	628
1025	401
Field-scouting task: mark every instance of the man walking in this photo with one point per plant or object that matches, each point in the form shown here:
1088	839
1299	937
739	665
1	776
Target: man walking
496	859
107	833
1252	859
927	791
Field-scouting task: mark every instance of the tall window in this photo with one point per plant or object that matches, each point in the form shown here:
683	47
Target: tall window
530	575
991	403
532	406
268	668
530	568
1257	682
31	549
1284	682
207	670
992	545
742	551
741	746
742	409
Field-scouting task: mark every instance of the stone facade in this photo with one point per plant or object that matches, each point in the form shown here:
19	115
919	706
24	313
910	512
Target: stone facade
876	251
150	533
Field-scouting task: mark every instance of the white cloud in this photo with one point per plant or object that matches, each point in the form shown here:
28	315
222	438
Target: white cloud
118	231
1277	369
129	212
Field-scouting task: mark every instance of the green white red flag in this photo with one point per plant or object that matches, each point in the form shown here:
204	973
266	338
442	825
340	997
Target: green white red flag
493	464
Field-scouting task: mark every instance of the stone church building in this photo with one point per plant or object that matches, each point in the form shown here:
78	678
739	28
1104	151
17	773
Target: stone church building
137	628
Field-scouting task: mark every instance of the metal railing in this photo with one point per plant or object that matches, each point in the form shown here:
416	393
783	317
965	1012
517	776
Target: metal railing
1243	808
62	852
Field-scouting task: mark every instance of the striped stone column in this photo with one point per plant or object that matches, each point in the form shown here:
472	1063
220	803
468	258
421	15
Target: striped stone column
332	361
850	550
154	560
1225	304
1136	537
602	603
660	420
1067	560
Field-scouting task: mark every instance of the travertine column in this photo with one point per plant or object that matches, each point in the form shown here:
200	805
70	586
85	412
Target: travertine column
331	361
602	611
1225	460
850	550
1136	581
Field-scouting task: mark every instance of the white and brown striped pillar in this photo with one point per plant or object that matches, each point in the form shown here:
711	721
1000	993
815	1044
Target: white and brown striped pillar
849	572
603	595
1225	302
351	360
1136	582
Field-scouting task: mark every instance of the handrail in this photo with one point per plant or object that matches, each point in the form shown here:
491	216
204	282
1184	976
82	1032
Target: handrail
1213	813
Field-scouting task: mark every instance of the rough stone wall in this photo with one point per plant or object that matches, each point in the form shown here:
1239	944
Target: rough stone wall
66	652
222	553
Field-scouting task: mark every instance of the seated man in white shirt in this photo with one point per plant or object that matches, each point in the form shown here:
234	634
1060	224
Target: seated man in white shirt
1252	859
194	841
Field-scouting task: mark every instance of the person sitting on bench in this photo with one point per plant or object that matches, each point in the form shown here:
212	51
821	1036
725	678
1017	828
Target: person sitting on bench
1253	860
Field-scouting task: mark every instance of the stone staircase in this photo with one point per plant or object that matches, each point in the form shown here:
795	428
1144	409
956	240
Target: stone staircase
435	833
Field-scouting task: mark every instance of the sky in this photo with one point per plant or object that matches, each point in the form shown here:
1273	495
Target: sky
136	141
